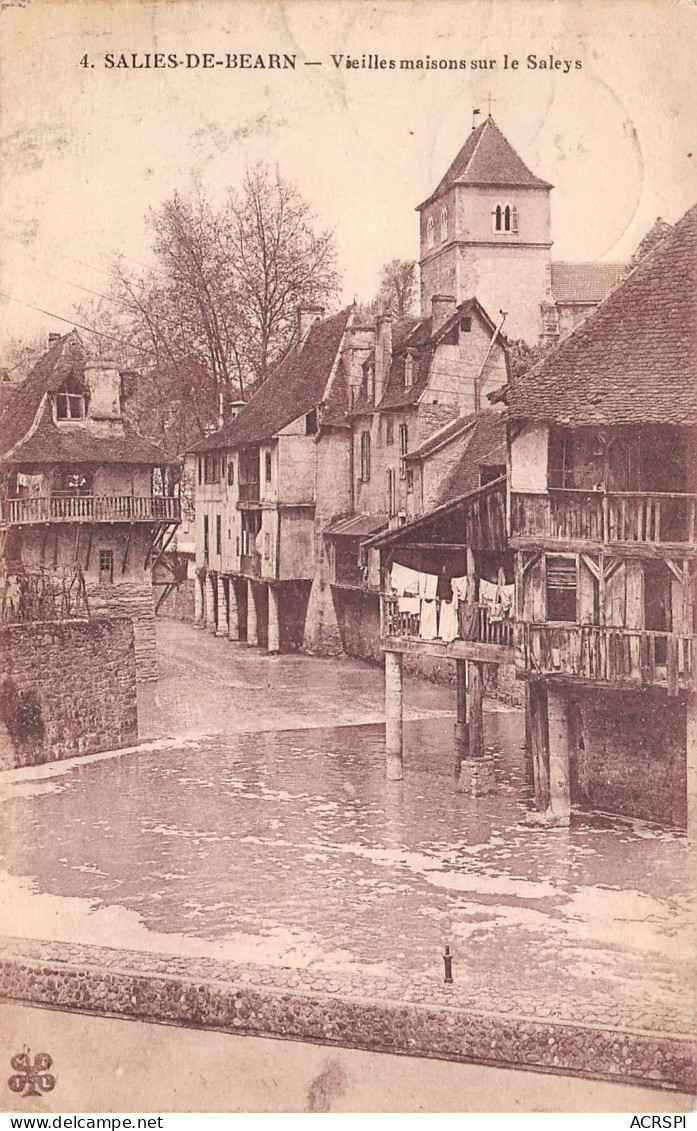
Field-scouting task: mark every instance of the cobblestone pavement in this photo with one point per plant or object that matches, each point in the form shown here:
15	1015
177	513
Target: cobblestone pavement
284	851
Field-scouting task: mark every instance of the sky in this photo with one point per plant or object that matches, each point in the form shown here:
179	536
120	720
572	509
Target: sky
86	152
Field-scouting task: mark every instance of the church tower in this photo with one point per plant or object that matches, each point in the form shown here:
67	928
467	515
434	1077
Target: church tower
485	233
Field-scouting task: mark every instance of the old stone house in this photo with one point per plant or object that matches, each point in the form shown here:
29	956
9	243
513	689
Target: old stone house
81	492
418	380
256	494
603	498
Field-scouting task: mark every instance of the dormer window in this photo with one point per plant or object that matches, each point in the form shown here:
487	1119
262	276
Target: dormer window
430	232
70	401
443	223
505	218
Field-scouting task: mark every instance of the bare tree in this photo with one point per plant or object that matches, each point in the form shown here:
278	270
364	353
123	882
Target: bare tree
280	262
218	308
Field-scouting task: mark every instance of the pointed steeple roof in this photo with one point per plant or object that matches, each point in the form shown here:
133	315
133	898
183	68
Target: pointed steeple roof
487	158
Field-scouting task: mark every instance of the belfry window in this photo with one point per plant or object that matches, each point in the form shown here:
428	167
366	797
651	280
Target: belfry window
430	232
443	224
505	218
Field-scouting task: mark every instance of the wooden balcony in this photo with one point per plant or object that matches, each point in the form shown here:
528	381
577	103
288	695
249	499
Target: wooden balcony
607	655
628	518
493	642
90	508
249	492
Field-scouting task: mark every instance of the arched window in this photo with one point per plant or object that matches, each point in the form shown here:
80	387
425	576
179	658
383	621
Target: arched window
443	223
505	218
430	233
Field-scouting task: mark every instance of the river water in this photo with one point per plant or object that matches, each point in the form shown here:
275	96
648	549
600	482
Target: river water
247	827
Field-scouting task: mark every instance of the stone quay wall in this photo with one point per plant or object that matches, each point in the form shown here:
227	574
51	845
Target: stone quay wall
133	601
66	689
435	1021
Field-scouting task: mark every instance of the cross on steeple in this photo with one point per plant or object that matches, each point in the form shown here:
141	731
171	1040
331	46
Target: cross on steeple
489	99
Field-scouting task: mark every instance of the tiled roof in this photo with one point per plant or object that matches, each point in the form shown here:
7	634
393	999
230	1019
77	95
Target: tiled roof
48	442
584	282
487	158
634	359
421	344
483	444
357	525
294	387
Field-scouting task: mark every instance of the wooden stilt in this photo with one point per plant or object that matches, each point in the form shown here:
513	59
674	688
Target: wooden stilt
394	759
461	729
475	697
559	783
539	742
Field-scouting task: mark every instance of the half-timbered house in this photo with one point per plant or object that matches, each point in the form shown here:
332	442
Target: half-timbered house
603	499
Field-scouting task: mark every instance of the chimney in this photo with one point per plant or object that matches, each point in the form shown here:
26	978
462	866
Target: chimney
235	409
307	316
53	338
383	354
442	306
359	341
103	382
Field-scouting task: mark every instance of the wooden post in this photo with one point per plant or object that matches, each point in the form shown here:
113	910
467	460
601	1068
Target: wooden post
233	612
539	742
252	623
475	696
394	761
461	729
691	736
559	782
274	625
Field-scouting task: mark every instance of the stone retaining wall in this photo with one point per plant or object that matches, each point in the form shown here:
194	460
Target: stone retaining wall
133	601
66	689
323	1008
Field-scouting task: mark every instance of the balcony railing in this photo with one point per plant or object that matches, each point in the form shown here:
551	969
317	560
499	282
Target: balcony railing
487	630
607	654
250	565
249	492
91	508
606	517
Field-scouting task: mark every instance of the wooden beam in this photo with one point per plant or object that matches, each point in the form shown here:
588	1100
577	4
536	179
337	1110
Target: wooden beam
532	561
675	570
595	569
624	550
